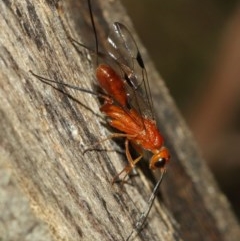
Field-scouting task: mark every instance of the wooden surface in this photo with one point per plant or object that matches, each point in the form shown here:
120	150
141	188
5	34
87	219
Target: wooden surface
43	133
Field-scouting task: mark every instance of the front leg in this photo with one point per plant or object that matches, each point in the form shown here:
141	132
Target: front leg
131	163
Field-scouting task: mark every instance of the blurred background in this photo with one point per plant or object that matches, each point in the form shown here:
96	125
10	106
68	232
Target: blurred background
196	47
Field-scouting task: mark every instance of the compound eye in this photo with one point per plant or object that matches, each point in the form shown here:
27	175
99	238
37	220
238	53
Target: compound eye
160	163
159	159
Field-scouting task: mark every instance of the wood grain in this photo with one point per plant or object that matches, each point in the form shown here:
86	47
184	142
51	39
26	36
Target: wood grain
45	131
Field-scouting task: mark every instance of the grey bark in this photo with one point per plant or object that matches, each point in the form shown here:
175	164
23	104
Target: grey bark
44	132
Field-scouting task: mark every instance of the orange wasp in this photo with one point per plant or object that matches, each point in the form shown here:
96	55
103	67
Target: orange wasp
125	106
128	103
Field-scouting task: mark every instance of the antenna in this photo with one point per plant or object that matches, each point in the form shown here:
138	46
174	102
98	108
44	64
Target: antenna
94	30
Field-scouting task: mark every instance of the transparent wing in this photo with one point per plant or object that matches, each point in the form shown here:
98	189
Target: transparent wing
123	49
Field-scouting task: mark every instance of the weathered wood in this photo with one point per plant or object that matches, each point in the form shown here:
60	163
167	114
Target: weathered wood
44	132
